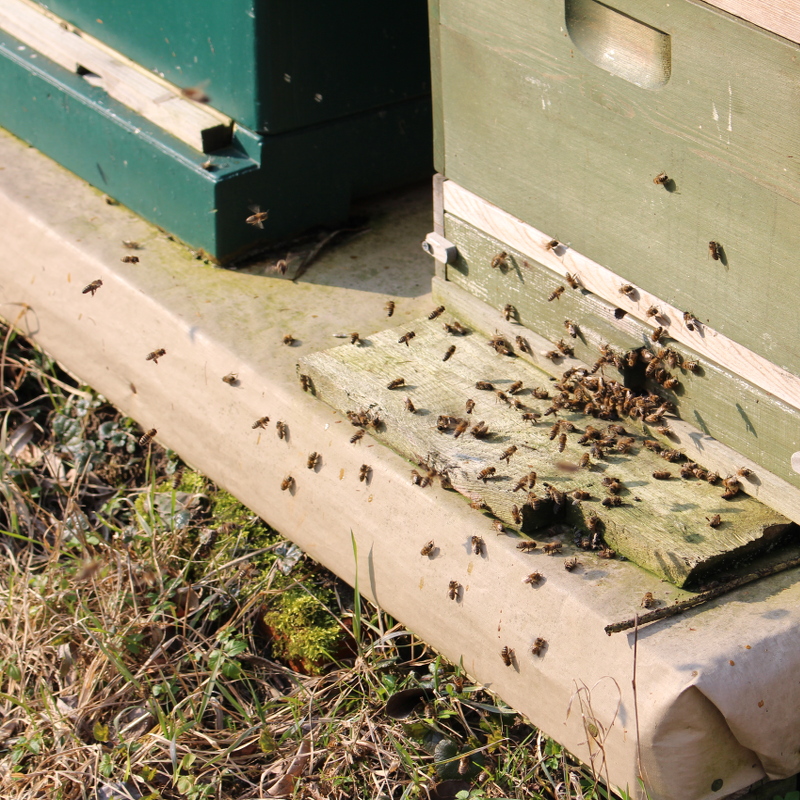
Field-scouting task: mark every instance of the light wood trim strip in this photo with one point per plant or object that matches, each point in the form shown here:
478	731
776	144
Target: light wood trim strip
606	284
779	16
147	94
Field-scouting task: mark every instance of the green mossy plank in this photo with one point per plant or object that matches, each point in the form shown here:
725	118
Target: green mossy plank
716	401
534	127
662	525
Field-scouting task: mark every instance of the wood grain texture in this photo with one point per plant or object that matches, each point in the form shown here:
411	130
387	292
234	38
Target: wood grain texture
713	399
780	16
606	284
535	128
769	488
662	524
201	127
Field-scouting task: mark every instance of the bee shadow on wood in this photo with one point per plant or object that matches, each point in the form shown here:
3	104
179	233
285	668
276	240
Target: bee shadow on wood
749	426
670	186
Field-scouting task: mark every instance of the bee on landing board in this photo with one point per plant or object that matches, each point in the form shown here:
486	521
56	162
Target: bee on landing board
364	472
257	217
533	578
573	281
287	483
715	521
552	548
500	261
305	382
453	589
261	422
232	378
455	328
449	352
714	250
509	312
92	287
130	259
528	546
131	245
507	654
147	437
280	427
477	545
396	383
507	453
406	338
470	406
427	548
661	179
155	355
551	245
648	601
313	460
570	564
557	292
538	645
357	436
389	306
410	407
436	312
486	473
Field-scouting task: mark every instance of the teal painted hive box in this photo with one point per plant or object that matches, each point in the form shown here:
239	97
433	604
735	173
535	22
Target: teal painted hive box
307	106
630	170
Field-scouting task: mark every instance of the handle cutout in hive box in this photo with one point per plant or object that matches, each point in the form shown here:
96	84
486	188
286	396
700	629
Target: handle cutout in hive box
619	44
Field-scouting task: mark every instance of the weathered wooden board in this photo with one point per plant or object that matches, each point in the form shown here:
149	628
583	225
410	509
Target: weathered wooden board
535	128
715	400
662	524
698	446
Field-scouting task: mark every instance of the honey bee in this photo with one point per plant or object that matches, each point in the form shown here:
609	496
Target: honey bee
585	462
538	646
305	382
389	306
573	281
536	503
557	292
155	355
516	514
406	338
690	320
507	654
570	564
470	406
147	437
92	287
287	483
687	470
657	334
280	427
486	473
554	355
436	312
715	250
732	484
463	424
613	501
581	494
715	521
131	245
480	430
540	394
479	504
427	548
652	444
552	548
562	442
289	340
410	407
597	452
449	352
507	453
607	552
455	328
396	383
572	328
444	423
528	546
453	589
672	456
485	386
501	345
521	484
662	474
498	527
509	312
500	261
232	378
533	578
531	416
523	345
257	217
711	477
653	311
130	259
313	460
196	93
744	472
648	601
261	422
627	289
363	473
477	545
463	765
670	383
357	436
692	366
660	179
613	485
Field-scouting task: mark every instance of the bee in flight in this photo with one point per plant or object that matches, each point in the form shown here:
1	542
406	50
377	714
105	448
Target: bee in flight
146	438
92	287
257	217
155	355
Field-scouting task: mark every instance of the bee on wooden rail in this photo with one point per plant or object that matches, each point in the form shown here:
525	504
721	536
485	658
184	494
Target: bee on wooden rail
507	453
406	338
453	589
523	345
662	474
232	378
572	328
427	548
648	601
477	545
571	563
155	355
552	548
573	281
715	250
257	217
551	245
516	514
305	382
509	312
715	521
538	646
507	654
130	259
613	501
498	527
501	345
485	386
261	422
486	473
313	460
533	578
449	352
389	307
460	428
469	406
289	340
479	430
364	472
287	483
147	437
92	287
410	407
500	261
556	293
439	310
627	289
396	383
661	179
528	546
455	328
280	427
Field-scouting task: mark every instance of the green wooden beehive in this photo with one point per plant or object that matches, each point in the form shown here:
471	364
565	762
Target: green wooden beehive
315	104
634	134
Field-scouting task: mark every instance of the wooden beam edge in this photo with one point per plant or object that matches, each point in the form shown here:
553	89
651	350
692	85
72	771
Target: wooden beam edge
603	282
765	486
